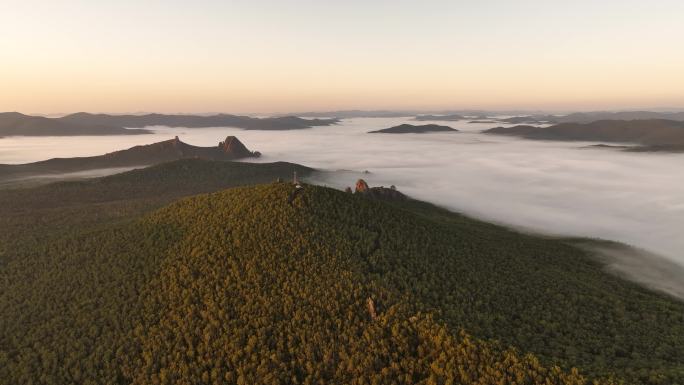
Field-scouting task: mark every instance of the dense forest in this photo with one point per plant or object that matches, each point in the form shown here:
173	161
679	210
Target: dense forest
30	216
248	286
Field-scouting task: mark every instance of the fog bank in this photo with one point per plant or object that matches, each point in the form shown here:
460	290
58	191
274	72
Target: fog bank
557	188
647	269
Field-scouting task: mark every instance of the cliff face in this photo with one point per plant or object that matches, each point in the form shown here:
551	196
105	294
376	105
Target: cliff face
232	146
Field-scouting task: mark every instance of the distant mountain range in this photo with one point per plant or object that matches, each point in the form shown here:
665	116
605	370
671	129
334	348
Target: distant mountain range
17	124
576	117
349	114
651	134
412	129
588	117
445	118
150	154
515	116
198	121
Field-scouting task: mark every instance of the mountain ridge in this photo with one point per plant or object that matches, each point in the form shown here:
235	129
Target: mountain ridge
445	118
18	124
648	133
199	121
83	123
142	155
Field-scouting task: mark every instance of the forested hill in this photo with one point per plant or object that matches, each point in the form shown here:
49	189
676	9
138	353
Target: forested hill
172	179
250	286
40	215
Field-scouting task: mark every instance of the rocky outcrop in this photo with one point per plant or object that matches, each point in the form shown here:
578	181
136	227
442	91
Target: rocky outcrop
381	192
361	186
149	154
232	146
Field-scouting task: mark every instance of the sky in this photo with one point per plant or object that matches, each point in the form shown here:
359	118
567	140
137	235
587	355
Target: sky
268	56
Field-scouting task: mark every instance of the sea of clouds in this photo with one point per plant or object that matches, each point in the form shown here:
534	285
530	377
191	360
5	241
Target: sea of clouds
556	188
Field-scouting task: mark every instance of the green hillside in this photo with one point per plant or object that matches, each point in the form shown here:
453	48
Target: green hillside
241	286
30	216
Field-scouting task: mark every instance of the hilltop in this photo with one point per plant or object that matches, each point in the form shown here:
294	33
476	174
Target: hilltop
16	124
167	180
249	286
46	212
199	121
650	133
143	155
413	129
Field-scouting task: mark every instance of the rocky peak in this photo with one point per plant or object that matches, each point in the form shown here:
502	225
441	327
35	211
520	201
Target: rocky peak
382	192
361	186
233	146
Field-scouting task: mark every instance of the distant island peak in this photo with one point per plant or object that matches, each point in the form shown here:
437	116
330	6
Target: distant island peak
414	129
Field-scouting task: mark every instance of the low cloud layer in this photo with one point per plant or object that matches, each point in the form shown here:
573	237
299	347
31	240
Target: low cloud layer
549	187
646	268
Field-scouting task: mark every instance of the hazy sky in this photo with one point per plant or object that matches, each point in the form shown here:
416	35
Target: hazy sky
288	55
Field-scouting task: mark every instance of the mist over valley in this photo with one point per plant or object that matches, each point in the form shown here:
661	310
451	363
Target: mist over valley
551	187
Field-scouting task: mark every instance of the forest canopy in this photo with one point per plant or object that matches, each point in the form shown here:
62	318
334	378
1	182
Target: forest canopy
248	286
